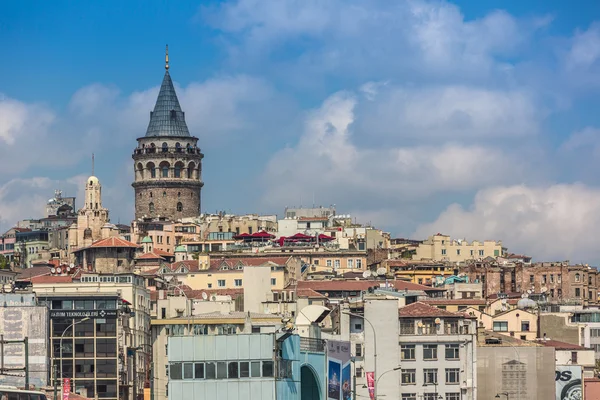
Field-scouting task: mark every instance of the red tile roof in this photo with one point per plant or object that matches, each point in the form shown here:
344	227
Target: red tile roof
455	302
28	273
422	310
163	253
558	345
113	242
149	256
52	279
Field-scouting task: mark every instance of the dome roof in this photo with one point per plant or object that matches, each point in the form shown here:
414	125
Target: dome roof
93	180
147	240
180	249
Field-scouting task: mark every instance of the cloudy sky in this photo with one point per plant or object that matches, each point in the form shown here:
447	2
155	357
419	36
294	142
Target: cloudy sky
476	119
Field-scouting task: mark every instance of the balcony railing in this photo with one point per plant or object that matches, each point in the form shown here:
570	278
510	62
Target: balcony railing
167	150
312	345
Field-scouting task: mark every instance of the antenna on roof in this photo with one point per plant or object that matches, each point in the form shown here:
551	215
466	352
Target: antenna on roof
93	164
167	58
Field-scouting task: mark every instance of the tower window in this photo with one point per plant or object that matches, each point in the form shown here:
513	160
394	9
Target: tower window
177	171
179	207
151	207
178	194
165	171
164	194
165	147
150	194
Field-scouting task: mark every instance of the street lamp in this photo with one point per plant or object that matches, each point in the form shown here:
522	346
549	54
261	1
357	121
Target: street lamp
503	394
389	370
374	348
61	349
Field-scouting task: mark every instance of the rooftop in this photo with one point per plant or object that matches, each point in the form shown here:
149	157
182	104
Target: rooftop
558	345
422	310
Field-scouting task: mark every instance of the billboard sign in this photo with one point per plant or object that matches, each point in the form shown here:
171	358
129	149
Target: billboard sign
339	384
66	388
569	384
83	314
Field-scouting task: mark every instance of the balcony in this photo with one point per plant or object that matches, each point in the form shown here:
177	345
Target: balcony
166	150
311	345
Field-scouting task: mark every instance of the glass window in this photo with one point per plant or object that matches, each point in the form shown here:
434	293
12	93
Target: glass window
85	328
84	304
106	347
255	369
452	396
188	371
500	326
232	370
244	369
106	389
84	348
221	282
106	304
59	326
452	351
176	372
525	326
199	370
452	375
106	327
430	351
430	376
84	368
106	368
238	282
67	348
267	368
211	371
407	352
273	281
221	370
409	376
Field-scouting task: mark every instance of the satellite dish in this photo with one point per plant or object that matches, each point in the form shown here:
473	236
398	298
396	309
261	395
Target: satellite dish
204	296
53	270
68	269
366	274
213	298
381	271
58	270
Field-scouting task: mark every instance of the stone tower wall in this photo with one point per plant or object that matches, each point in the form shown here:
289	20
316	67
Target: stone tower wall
168	177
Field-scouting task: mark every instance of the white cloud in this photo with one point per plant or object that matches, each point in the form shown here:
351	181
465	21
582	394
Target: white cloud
550	223
585	49
19	122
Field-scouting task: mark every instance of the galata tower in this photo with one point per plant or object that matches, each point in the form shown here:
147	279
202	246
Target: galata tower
167	161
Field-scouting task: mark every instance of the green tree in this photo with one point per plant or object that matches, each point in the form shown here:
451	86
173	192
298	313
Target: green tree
3	262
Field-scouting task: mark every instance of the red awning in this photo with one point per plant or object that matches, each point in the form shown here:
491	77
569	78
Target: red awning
325	238
241	236
301	237
262	235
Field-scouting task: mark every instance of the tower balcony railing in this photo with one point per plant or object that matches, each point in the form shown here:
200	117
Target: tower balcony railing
166	150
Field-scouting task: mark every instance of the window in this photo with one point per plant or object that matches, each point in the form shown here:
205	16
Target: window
221	370
273	281
176	371
358	263
350	263
452	396
452	351
452	375
458	252
551	278
472	252
179	207
358	327
232	370
525	326
210	370
452	325
165	171
430	376
255	369
221	283
188	371
237	282
430	352
577	292
199	371
336	263
443	252
359	372
409	396
328	263
151	207
267	369
358	352
244	369
573	357
500	326
430	396
577	277
481	253
559	292
409	376
531	279
407	352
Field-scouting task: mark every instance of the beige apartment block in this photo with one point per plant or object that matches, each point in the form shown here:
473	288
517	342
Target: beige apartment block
442	248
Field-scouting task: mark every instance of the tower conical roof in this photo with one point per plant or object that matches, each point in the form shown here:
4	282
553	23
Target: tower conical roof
167	119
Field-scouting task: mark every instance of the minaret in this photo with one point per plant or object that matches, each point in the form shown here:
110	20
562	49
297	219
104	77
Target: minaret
167	161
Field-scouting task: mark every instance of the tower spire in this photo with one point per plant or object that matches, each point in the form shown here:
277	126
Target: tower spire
92	164
167	58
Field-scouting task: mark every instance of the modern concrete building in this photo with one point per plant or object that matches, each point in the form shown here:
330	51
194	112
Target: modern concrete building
247	366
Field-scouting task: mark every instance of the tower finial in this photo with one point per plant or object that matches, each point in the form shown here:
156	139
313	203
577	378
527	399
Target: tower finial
167	59
92	164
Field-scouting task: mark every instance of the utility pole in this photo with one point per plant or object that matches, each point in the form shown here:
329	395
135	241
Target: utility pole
26	343
135	349
152	380
54	367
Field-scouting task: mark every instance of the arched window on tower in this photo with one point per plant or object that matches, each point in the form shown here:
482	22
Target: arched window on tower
152	169
164	194
178	147
152	148
164	168
178	167
165	147
179	207
151	208
140	171
190	170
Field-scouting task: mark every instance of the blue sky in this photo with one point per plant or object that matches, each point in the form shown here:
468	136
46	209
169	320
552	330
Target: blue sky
473	118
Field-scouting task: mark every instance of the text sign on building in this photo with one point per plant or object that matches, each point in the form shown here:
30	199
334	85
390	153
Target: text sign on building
339	384
568	382
66	388
83	314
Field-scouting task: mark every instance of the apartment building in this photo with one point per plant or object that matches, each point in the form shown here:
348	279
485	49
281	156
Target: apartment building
442	248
